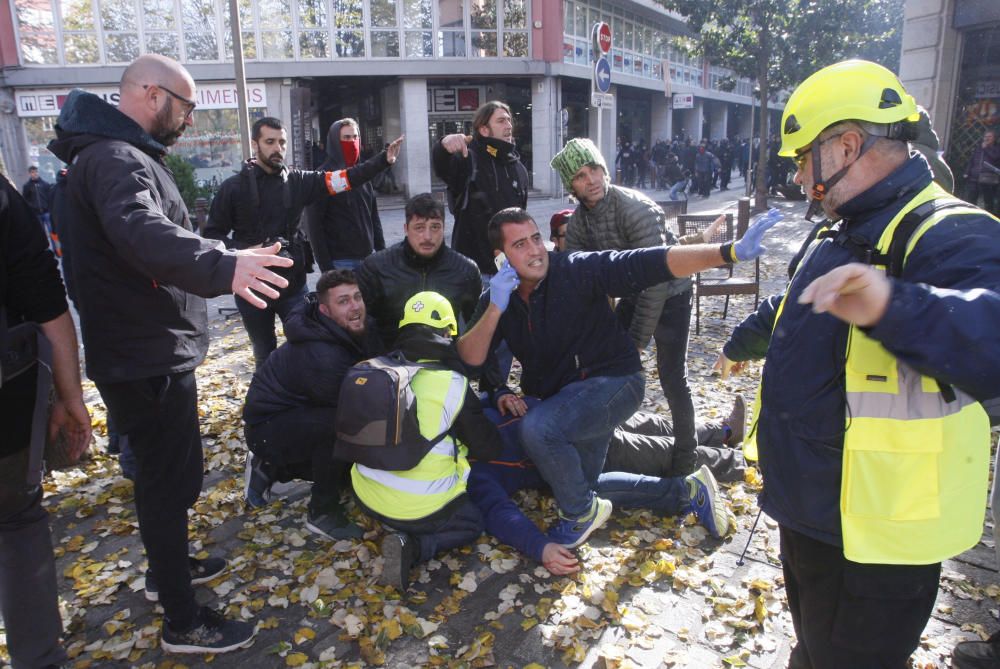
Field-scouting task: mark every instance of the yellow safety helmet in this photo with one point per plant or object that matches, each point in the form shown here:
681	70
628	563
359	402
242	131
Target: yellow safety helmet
850	90
430	308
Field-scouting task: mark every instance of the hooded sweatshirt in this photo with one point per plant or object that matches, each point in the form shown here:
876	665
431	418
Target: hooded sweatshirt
140	271
347	227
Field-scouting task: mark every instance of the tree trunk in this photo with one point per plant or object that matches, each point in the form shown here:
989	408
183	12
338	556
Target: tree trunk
760	201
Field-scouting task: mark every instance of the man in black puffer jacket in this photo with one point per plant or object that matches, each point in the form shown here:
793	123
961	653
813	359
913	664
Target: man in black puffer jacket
344	230
484	174
418	263
292	402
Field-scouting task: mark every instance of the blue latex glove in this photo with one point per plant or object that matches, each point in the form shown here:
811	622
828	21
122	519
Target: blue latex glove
749	247
502	285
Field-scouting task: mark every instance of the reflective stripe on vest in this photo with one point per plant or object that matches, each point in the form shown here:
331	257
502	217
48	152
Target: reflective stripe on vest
442	473
915	466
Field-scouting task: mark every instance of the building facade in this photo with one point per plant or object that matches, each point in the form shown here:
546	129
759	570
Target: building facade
951	63
419	67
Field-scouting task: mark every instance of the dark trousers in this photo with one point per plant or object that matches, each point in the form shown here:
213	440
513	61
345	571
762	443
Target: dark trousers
846	614
300	441
644	444
160	417
259	323
458	524
671	336
28	596
989	193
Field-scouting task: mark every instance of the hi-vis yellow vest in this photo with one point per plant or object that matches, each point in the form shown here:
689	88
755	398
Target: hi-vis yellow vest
441	475
915	466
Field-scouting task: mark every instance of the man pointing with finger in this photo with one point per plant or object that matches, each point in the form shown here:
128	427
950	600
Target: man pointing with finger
873	446
141	276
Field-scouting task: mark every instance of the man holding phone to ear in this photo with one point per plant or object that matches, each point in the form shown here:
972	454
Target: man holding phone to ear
552	310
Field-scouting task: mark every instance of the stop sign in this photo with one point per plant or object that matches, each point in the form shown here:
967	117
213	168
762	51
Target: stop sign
602	38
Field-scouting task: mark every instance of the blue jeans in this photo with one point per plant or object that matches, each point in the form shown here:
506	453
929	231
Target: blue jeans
678	189
666	496
259	323
567	435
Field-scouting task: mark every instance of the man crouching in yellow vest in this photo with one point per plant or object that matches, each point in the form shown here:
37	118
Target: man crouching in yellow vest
428	505
873	446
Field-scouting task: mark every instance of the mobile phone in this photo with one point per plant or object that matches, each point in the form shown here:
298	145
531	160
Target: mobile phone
500	259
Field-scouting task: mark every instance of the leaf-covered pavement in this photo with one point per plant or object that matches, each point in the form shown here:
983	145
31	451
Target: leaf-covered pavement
653	591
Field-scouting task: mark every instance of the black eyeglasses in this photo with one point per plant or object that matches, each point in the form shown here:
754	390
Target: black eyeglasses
191	104
800	158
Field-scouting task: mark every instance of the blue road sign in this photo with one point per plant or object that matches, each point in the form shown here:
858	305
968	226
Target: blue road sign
602	75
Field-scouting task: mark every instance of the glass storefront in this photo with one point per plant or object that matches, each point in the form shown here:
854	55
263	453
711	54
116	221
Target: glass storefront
93	32
211	145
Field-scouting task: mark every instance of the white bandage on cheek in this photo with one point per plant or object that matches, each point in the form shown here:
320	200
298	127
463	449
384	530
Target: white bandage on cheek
337	182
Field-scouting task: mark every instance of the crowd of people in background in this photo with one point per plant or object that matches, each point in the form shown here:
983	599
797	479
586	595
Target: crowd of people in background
684	166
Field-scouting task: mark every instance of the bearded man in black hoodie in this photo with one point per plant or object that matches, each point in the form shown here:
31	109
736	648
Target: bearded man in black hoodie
484	174
345	230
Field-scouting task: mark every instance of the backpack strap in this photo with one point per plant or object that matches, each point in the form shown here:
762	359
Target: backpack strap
896	257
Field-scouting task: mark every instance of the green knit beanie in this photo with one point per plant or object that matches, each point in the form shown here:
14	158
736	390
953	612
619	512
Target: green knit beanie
577	153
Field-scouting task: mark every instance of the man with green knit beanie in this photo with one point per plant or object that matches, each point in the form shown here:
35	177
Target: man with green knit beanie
612	217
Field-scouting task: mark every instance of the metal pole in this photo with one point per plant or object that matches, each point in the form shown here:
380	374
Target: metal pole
241	79
750	148
600	124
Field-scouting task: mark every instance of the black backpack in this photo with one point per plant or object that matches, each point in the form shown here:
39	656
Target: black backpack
377	414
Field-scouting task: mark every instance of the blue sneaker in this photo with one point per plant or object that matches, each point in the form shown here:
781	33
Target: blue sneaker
706	504
572	533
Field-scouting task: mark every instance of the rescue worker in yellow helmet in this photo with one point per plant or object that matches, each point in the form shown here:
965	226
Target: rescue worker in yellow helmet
427	506
871	438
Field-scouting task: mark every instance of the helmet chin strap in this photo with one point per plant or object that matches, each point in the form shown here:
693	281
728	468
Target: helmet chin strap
821	188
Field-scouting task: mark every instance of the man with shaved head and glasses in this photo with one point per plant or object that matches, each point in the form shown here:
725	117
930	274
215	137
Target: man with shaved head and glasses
142	275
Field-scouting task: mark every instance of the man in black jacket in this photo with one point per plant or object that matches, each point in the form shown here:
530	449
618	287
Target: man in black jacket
418	263
484	174
292	402
36	193
141	276
345	230
264	203
31	292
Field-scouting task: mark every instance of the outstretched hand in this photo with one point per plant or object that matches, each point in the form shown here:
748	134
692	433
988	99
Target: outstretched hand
457	143
855	293
749	245
252	275
392	151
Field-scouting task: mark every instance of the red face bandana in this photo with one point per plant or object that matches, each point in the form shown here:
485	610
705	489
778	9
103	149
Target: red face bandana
351	150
